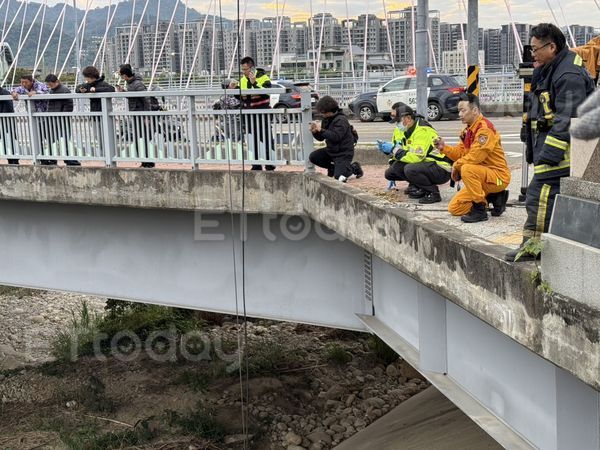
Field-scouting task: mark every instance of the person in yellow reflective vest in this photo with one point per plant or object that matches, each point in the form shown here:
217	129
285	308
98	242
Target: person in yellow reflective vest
414	158
256	125
480	162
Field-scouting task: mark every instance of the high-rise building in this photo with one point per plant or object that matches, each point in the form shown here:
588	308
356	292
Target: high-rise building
509	50
331	35
453	61
401	25
581	34
492	39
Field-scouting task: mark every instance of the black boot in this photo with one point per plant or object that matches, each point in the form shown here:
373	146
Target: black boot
357	170
418	193
431	197
478	214
256	167
498	200
13	161
410	189
512	255
147	165
269	168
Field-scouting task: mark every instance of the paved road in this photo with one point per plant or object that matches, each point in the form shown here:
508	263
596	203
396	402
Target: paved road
509	127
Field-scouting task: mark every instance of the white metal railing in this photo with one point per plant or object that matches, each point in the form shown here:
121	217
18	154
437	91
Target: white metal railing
188	130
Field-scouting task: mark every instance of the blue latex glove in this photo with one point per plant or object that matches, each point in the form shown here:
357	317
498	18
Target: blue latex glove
385	147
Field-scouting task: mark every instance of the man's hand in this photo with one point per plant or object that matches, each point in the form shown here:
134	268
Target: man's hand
120	89
31	93
83	90
15	96
439	143
315	127
251	77
92	89
455	175
233	85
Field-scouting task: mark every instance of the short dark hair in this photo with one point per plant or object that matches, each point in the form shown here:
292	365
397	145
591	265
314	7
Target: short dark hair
472	99
126	70
327	104
549	32
248	60
403	109
91	72
51	78
27	77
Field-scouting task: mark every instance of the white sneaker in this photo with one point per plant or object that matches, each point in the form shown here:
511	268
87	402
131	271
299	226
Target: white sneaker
342	178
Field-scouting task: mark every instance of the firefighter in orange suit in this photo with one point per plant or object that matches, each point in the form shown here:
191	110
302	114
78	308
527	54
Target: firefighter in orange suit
480	162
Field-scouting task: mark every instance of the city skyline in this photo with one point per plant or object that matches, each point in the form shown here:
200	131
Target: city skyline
492	13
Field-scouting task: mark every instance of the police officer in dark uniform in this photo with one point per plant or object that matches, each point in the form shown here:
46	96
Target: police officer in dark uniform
561	84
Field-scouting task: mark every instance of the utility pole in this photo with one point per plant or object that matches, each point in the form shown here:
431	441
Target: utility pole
422	56
473	47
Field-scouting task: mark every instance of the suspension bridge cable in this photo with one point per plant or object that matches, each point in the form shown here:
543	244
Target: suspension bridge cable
84	21
365	45
132	19
137	31
552	12
350	45
102	48
156	37
278	41
58	20
212	53
12	22
389	36
435	63
81	26
413	33
182	48
562	11
37	50
462	36
21	46
162	47
60	35
321	31
518	43
312	37
187	85
16	58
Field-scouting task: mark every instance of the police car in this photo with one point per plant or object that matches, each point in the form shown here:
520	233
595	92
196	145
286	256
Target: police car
443	97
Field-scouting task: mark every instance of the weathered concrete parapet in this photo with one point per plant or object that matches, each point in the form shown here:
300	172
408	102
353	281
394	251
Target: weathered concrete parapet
463	268
205	190
467	270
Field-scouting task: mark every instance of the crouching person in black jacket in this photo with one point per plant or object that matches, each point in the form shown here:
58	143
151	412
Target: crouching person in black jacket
337	133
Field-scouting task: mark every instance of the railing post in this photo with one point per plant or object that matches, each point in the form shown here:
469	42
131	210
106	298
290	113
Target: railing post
193	131
108	131
34	132
307	137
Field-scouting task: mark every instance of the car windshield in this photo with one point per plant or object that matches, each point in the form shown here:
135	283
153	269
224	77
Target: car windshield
457	80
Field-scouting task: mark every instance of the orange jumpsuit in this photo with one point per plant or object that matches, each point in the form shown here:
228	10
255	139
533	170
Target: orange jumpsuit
481	162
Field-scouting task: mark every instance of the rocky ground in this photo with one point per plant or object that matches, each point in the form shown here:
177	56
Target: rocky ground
307	387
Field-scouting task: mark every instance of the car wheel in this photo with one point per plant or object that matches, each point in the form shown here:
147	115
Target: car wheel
366	113
434	112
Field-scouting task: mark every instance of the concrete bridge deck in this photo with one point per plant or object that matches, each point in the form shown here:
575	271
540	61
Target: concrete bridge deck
427	246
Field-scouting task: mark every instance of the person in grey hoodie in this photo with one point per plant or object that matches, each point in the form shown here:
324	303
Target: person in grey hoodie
135	83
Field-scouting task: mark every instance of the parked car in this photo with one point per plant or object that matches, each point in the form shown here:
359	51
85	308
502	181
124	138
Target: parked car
291	98
443	94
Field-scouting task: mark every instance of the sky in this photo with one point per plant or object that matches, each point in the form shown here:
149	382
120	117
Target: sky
492	13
